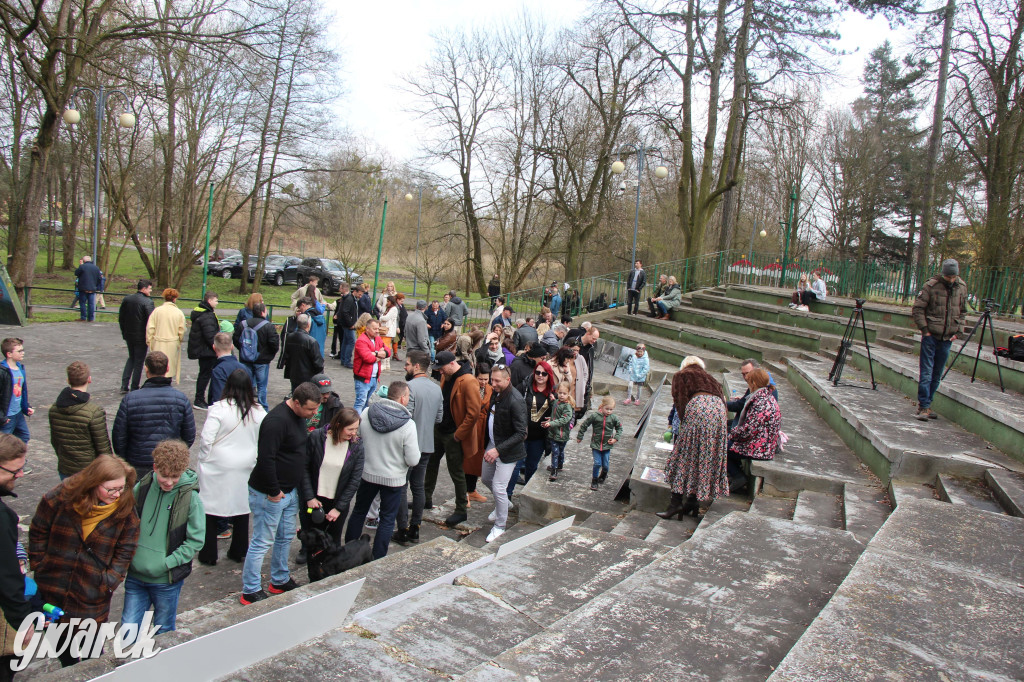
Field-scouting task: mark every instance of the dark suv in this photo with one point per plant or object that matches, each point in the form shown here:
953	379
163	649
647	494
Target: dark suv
331	273
274	268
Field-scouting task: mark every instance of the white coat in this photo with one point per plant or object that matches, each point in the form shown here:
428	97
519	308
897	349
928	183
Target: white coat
227	455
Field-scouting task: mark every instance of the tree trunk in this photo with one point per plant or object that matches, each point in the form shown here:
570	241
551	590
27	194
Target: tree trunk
935	140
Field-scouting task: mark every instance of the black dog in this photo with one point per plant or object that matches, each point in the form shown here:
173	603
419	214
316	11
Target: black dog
327	558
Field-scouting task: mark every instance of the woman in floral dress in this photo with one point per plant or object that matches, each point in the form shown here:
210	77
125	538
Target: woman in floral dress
696	469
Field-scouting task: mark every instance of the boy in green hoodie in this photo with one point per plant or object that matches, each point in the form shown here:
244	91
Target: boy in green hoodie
607	431
172	528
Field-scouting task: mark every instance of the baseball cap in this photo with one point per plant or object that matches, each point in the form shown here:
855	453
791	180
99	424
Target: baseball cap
443	358
323	382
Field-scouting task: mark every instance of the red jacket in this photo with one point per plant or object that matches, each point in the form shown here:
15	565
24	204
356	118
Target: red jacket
364	358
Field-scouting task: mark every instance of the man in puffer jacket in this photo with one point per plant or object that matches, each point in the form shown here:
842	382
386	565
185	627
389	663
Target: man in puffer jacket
155	412
939	312
205	326
78	426
391	447
172	528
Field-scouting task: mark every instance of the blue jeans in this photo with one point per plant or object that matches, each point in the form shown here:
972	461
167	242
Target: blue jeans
363	391
661	307
259	375
557	454
348	346
433	340
390	498
139	595
602	460
87	306
528	466
273	525
17	425
933	361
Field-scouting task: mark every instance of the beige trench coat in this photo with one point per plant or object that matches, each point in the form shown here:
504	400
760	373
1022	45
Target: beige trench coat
164	332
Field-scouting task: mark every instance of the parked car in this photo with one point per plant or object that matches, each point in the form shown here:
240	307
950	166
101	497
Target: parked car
230	267
54	227
274	269
331	273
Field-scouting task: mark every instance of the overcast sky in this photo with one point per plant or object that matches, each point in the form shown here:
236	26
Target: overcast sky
380	42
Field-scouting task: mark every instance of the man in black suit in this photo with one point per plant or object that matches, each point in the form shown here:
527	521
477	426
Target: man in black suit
634	286
303	354
132	316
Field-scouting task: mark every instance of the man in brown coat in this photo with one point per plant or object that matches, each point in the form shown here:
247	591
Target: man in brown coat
78	425
461	409
939	312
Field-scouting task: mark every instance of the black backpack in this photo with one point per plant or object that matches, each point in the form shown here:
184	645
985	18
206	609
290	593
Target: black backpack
1016	347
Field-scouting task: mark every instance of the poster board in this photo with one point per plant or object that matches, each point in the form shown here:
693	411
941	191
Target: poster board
11	311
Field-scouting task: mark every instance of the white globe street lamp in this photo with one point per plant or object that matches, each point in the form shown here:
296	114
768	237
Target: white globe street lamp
618	167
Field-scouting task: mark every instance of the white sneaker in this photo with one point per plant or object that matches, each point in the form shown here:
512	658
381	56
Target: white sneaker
495	534
492	516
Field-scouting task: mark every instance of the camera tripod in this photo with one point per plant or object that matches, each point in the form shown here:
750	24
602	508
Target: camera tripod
836	373
986	320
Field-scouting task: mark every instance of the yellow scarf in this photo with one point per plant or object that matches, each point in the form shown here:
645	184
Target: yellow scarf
95	516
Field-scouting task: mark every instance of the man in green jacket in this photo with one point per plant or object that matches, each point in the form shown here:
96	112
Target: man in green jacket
939	312
172	528
78	425
669	300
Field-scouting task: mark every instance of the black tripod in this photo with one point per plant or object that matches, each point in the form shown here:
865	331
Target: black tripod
986	319
836	373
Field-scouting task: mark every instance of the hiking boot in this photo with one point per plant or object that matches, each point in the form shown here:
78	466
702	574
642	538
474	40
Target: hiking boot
251	597
593	483
401	536
931	414
282	588
604	475
922	413
413	535
455	519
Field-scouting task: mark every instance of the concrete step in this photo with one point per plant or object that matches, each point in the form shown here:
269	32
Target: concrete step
935	595
636	524
979	406
776	507
967	491
663	349
385	578
557	575
748	579
489	610
721	508
865	509
771	332
478	538
601	521
901	491
1008	488
709	339
648	489
672	532
818	509
890	315
832	325
879	425
898	343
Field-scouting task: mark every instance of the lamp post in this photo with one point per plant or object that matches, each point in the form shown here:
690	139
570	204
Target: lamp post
380	247
126	120
618	167
419	215
789	226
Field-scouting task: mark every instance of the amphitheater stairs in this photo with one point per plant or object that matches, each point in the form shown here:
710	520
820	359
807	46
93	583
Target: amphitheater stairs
874	546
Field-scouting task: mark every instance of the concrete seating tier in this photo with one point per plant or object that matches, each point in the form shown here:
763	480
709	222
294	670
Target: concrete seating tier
979	407
879	425
694	613
1012	370
893	315
936	595
786	316
664	349
771	332
709	339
